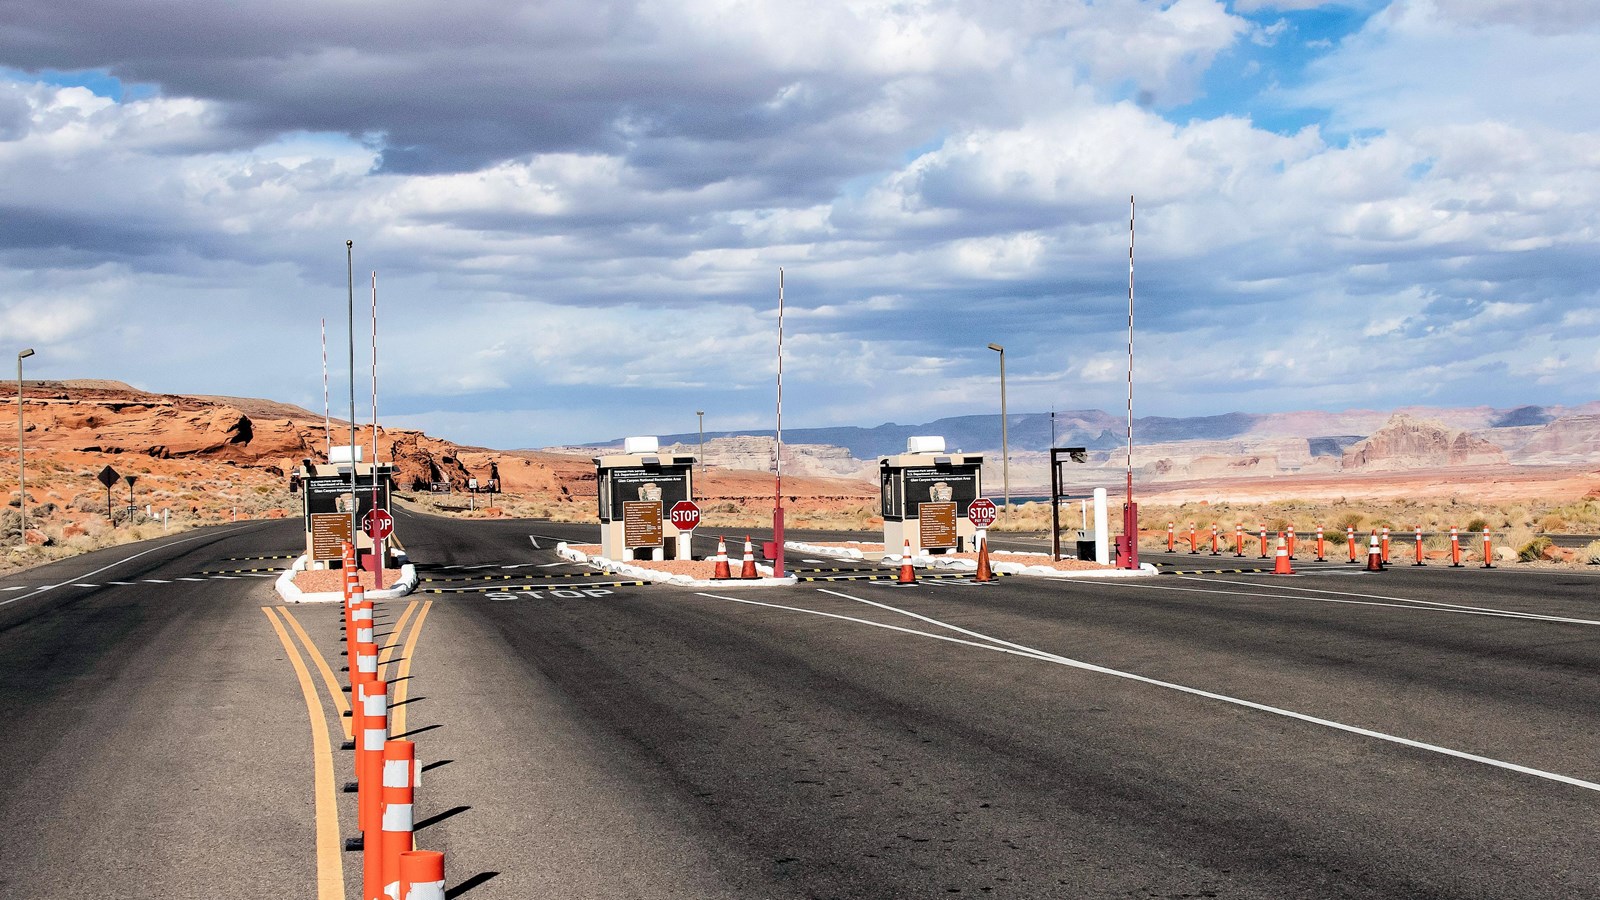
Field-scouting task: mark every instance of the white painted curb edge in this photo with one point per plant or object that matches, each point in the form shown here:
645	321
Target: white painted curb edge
1001	566
621	568
291	594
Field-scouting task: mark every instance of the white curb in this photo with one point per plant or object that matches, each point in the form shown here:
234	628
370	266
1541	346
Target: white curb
643	574
292	594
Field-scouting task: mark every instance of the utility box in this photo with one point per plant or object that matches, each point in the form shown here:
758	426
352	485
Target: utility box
636	488
328	497
925	494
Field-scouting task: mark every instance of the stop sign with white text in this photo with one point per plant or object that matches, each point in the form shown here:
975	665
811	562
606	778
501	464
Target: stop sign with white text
684	515
982	512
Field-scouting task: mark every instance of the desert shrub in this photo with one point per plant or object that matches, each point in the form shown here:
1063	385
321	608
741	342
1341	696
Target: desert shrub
1552	523
1533	549
1477	524
1350	519
1591	553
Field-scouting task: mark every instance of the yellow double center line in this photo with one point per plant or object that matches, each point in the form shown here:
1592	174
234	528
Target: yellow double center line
330	866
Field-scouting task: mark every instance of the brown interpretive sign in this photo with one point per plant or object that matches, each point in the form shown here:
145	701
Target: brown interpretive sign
641	524
329	531
938	524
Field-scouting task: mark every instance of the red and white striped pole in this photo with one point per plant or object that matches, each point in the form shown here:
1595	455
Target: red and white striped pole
1488	551
1383	546
421	875
399	793
1455	548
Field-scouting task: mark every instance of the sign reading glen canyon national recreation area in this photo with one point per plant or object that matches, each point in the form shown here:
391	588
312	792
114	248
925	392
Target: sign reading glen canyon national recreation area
955	484
328	494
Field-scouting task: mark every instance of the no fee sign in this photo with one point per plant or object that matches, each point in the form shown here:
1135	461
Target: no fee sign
982	512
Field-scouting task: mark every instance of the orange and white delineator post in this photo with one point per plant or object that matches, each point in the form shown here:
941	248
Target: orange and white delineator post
908	575
1455	548
371	730
1194	545
1374	554
748	570
369	784
1214	550
399	793
1291	542
1488	550
421	875
1170	537
1238	539
1350	538
1263	541
1419	561
1281	566
1383	545
359	624
1320	556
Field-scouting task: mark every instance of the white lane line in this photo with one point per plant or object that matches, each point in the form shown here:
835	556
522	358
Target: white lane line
813	560
81	584
225	577
535	542
155	581
191	579
20	587
123	583
553	565
1379	600
1005	646
45	588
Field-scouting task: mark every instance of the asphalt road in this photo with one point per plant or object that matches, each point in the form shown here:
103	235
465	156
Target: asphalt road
1420	732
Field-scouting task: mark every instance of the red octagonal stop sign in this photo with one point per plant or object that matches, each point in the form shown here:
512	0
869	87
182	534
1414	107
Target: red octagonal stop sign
982	512
684	515
378	524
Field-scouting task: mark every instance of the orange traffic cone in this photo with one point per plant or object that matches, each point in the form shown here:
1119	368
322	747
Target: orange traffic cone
908	575
1374	554
1281	565
983	576
749	568
721	573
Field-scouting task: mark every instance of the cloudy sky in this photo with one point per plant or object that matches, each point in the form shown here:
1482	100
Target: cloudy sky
577	210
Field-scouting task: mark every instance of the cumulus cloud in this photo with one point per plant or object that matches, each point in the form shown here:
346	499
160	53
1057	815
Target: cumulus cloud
578	211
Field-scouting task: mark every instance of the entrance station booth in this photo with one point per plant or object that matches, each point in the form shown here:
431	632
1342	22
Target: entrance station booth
327	501
637	487
925	493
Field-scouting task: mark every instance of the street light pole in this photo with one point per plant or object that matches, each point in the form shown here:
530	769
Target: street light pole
1005	443
22	483
702	414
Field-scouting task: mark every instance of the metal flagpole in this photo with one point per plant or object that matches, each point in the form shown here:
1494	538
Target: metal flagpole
777	451
327	427
377	542
1130	513
350	312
